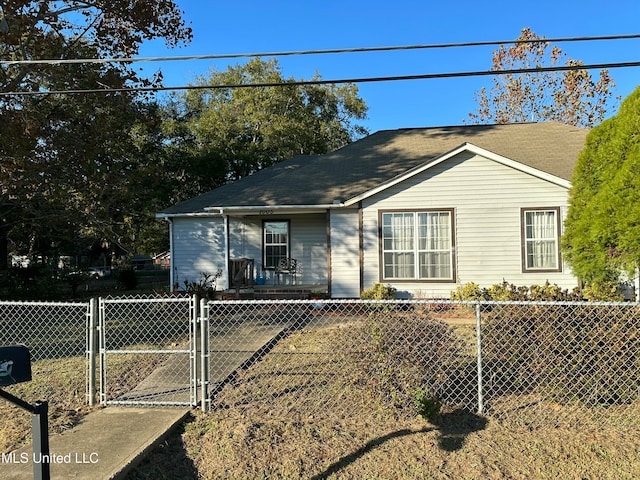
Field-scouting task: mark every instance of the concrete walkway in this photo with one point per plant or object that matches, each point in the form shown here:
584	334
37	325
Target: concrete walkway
104	446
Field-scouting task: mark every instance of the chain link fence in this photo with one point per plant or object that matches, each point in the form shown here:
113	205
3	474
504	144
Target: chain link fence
535	363
48	329
54	332
561	363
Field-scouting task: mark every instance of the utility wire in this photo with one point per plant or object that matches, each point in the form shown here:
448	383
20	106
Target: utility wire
426	76
310	52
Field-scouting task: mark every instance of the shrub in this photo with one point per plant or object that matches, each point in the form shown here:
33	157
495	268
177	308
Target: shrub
379	292
205	287
468	292
602	292
507	292
400	359
548	293
35	282
426	403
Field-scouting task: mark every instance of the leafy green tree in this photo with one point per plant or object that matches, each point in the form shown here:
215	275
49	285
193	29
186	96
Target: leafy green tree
223	134
35	29
572	97
65	157
602	229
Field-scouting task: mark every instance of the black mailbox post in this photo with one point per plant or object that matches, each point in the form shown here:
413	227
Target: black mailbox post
15	367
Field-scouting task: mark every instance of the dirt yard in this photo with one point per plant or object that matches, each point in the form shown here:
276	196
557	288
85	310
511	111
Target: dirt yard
248	438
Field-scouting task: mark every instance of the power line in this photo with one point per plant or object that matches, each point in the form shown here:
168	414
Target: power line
426	76
311	52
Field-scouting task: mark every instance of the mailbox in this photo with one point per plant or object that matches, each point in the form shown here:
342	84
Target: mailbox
15	365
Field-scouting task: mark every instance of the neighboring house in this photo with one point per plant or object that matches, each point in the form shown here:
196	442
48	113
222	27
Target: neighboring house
141	262
162	260
420	209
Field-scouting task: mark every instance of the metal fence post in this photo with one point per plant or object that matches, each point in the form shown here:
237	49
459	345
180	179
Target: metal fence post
479	356
194	348
91	349
204	356
102	351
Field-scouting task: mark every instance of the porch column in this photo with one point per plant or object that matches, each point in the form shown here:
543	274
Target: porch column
227	253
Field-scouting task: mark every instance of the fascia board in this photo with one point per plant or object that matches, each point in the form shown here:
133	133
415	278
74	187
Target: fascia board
519	166
269	209
187	214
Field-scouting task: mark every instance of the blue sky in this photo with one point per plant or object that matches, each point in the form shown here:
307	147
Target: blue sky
272	26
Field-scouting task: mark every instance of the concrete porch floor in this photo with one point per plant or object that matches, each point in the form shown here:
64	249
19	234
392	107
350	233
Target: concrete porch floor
276	292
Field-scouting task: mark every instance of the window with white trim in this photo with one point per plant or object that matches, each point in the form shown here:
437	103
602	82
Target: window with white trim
417	245
541	239
275	242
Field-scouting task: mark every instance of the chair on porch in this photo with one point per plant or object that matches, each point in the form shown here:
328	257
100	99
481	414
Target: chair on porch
241	272
287	266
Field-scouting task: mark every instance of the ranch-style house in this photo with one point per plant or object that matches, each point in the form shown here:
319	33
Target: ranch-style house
420	209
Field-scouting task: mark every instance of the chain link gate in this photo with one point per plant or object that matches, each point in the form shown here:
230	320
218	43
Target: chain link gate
155	341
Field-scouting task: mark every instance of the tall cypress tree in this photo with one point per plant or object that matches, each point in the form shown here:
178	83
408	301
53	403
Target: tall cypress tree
602	229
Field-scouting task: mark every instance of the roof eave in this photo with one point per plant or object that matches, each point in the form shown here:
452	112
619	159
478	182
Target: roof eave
168	216
272	209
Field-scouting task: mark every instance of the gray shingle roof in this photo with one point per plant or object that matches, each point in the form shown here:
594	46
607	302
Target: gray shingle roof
374	160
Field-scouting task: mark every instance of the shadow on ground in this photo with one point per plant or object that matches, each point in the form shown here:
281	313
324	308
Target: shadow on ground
453	428
168	460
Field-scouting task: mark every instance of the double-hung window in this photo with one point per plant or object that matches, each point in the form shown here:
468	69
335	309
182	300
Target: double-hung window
275	242
541	239
417	245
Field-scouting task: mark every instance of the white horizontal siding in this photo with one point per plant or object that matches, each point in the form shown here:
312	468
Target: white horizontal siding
245	239
309	247
308	244
487	198
345	256
198	247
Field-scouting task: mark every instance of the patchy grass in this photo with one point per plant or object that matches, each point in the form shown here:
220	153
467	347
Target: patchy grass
62	383
258	431
453	445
